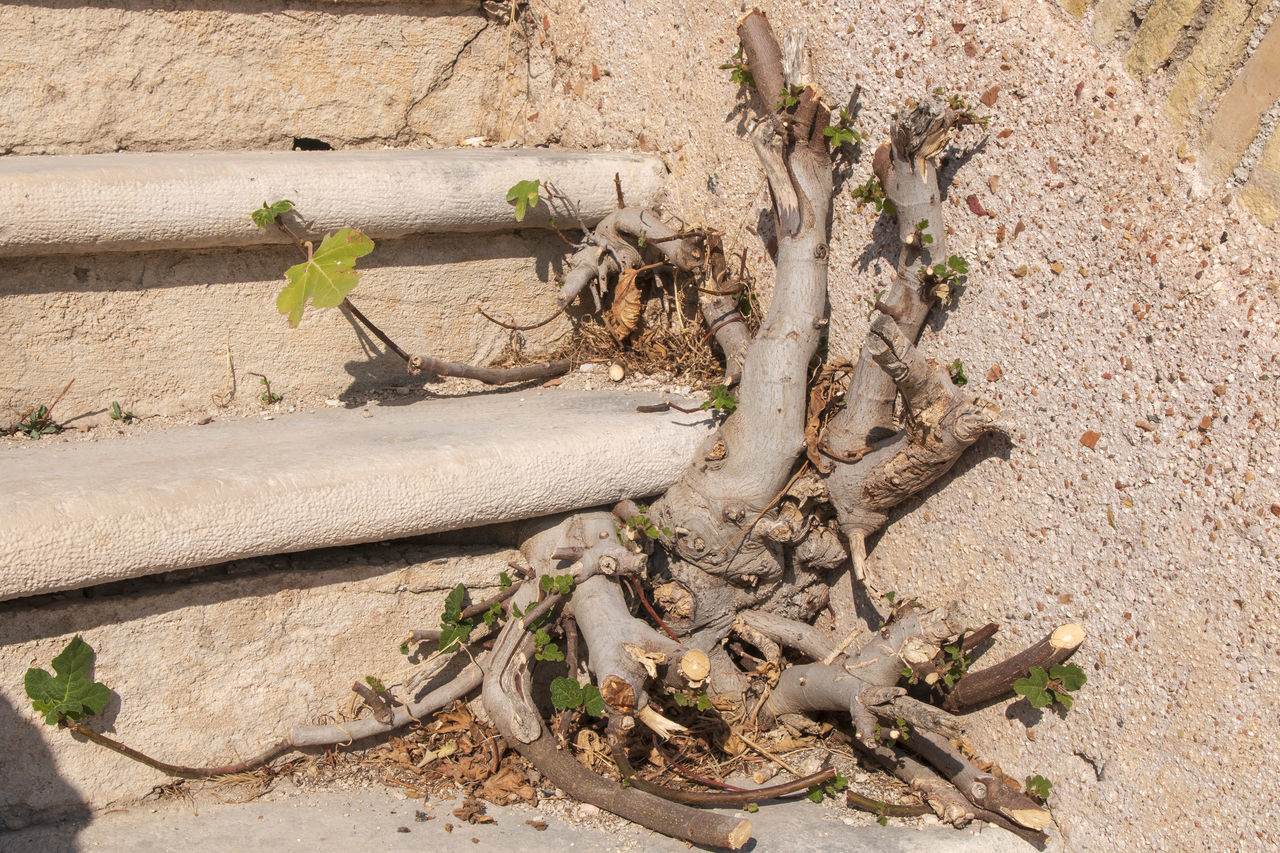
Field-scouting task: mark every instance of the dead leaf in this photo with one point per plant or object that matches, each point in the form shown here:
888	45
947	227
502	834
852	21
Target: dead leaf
539	825
1090	439
970	49
1004	134
990	96
957	25
595	72
994	374
1205	423
1000	234
975	206
1144	425
993	182
1018	229
1056	267
628	300
1020	272
472	811
508	785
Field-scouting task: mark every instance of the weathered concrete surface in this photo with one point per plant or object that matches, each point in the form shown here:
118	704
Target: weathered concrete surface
177	333
76	515
1239	114
93	77
381	819
1262	193
1157	34
210	666
1215	56
141	202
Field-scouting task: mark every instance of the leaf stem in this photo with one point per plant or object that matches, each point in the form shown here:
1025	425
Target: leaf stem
177	769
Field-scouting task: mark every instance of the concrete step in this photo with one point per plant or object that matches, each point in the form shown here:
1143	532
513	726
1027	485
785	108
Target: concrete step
79	514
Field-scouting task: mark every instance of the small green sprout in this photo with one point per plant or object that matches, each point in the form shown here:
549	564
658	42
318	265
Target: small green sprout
544	649
872	192
1039	787
559	584
641	524
454	630
1044	688
739	73
842	132
269	214
375	683
567	694
37	423
828	789
920	235
523	196
117	414
788	99
721	401
956	371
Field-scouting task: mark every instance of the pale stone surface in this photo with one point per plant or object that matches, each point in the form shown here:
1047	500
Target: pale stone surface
1160	30
142	202
1262	193
244	75
211	666
1236	123
1110	19
78	515
1217	53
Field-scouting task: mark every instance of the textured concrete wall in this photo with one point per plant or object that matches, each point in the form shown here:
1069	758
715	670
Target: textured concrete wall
175	333
1215	65
212	670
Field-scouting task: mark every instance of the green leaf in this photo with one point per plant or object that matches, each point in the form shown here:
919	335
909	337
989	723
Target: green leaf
704	703
545	582
958	264
453	605
1070	676
404	648
549	652
453	636
69	694
1039	786
1063	699
523	195
375	683
959	379
592	701
922	224
721	400
504	581
566	693
750	808
326	277
269	213
815	794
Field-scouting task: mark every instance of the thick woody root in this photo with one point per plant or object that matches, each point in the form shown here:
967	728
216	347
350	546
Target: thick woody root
508	699
715	509
896	467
